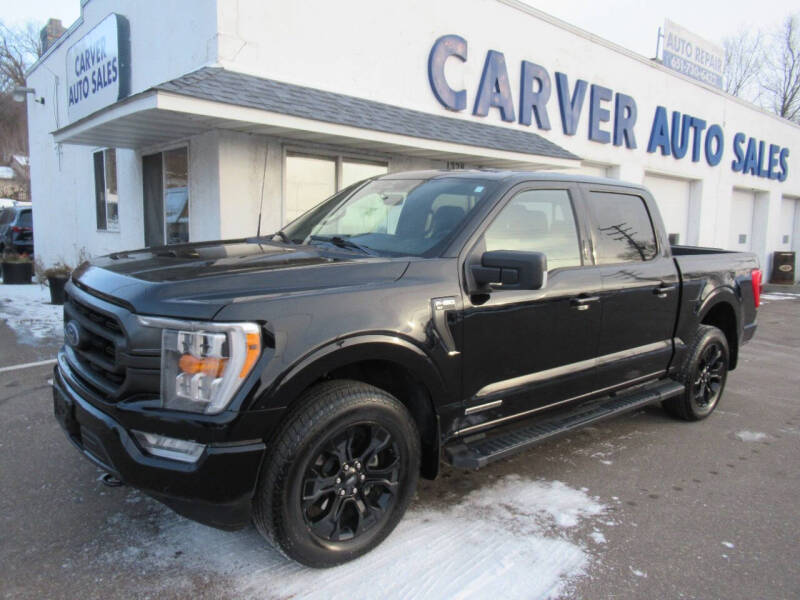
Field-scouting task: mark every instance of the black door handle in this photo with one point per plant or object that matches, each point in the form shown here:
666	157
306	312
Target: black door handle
662	290
583	302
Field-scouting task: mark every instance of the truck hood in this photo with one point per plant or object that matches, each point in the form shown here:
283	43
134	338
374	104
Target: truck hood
194	281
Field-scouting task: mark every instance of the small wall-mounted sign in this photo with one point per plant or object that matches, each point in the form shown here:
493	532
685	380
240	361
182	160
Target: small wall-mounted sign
99	67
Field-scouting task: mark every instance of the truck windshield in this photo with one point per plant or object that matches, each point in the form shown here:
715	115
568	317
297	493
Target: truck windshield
395	217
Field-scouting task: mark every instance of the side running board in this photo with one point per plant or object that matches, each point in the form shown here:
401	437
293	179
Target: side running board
478	451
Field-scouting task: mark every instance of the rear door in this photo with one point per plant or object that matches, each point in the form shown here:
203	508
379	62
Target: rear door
525	350
640	286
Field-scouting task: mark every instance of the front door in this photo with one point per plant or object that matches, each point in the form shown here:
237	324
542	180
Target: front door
153	193
527	349
165	186
640	289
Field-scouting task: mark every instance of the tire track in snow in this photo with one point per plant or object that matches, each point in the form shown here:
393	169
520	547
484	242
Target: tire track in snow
509	539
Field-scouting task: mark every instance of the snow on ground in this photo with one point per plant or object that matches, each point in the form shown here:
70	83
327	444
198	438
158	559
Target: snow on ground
509	540
27	310
597	537
751	436
779	296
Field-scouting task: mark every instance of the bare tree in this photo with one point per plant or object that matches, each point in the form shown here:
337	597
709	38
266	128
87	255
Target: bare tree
744	56
19	49
780	81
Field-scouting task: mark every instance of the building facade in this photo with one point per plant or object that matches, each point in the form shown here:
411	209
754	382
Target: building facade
201	124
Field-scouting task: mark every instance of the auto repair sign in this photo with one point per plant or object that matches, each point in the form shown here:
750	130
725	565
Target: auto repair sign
98	67
691	55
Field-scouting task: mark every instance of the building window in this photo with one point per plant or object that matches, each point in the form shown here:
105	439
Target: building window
105	189
353	171
176	195
311	179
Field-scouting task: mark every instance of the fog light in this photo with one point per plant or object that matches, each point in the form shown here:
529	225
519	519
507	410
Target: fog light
167	447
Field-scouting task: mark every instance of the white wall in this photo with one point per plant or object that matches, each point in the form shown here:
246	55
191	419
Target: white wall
376	49
307	49
168	39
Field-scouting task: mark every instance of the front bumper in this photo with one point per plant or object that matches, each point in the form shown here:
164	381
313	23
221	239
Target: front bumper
217	490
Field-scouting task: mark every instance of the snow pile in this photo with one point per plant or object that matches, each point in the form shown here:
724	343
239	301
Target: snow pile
751	436
507	540
27	310
780	296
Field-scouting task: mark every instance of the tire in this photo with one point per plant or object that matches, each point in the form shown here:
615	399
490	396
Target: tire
315	501
704	373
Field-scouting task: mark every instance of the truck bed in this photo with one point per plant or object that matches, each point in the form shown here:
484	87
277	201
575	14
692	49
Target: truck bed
690	250
708	273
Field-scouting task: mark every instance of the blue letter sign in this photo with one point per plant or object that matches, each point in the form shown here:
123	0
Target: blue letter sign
445	47
494	89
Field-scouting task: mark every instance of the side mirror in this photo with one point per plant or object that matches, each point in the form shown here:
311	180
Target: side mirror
511	269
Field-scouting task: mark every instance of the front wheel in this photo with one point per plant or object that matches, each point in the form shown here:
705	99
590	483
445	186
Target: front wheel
704	374
340	474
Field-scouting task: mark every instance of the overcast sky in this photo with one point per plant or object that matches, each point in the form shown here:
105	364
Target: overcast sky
630	23
634	23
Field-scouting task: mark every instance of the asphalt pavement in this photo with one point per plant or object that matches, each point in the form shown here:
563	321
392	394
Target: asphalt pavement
690	510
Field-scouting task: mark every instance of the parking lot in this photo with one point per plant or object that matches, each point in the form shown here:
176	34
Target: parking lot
639	507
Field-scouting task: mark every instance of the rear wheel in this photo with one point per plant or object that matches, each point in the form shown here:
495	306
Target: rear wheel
340	475
704	374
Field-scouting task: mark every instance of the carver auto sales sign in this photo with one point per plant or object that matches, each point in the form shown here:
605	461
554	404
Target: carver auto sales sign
99	67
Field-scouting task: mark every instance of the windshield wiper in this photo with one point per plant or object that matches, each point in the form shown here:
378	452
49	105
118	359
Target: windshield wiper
342	243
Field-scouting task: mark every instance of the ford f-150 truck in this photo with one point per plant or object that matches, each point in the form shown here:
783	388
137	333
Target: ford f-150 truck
305	380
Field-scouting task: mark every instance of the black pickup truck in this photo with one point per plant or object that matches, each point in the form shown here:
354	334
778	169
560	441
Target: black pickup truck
305	379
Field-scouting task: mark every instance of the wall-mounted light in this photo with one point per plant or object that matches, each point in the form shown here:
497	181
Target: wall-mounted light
20	92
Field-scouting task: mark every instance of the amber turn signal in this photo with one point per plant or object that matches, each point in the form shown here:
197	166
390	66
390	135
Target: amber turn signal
253	352
209	366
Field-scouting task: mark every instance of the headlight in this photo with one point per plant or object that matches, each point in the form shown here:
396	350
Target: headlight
203	364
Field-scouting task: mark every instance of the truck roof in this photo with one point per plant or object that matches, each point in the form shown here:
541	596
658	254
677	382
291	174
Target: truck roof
505	175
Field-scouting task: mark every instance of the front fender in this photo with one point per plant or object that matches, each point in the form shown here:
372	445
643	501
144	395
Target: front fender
346	351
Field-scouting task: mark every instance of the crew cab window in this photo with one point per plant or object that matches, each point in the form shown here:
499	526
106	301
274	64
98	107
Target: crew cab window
538	221
623	229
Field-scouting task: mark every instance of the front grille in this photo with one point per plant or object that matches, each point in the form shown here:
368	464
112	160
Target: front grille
115	357
100	319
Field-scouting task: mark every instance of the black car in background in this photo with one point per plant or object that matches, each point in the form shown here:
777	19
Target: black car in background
16	229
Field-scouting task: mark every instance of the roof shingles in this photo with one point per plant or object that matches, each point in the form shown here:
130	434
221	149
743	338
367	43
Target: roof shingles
230	87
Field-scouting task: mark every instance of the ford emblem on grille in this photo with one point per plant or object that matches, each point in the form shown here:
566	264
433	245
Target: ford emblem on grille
72	334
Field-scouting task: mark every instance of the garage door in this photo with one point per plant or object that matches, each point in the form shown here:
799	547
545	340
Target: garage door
591	169
672	197
789	224
741	230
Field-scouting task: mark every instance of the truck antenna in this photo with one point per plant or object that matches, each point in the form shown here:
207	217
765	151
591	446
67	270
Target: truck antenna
261	197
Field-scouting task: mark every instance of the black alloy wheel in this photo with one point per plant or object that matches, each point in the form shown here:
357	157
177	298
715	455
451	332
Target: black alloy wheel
339	473
703	375
707	384
352	483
